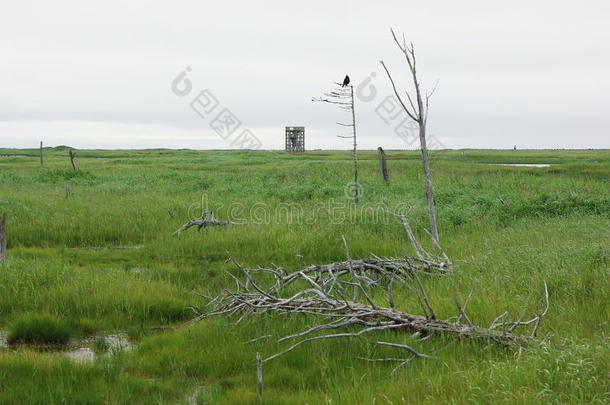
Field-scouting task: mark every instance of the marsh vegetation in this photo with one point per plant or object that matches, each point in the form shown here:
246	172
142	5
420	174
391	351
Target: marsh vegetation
103	259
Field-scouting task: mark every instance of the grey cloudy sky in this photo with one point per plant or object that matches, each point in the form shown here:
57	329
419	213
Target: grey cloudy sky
98	75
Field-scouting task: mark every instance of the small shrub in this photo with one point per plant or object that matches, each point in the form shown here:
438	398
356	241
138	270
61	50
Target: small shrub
39	330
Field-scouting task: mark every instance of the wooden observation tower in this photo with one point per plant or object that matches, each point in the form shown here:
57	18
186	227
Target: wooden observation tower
295	139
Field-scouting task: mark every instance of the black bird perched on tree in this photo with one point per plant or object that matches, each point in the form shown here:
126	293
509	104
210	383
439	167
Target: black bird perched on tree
345	81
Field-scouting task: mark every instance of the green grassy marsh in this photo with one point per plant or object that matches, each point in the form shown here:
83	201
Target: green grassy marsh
104	259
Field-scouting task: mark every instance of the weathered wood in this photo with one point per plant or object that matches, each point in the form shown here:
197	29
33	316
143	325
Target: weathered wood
355	150
201	223
3	237
418	112
41	157
383	165
323	294
72	156
259	374
428	183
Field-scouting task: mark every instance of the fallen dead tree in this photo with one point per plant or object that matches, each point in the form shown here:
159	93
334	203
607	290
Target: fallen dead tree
346	294
200	223
207	220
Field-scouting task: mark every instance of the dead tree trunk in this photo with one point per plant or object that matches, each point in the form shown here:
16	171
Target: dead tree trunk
41	158
383	165
3	237
418	112
72	156
259	374
428	182
355	150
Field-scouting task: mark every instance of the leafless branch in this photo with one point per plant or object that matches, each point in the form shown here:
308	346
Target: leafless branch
408	348
410	113
206	221
201	223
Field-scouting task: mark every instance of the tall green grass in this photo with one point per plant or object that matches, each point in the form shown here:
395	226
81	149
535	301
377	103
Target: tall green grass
104	259
39	329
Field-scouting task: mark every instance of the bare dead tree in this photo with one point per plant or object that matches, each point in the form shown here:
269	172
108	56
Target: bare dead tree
417	109
72	155
343	96
383	165
3	237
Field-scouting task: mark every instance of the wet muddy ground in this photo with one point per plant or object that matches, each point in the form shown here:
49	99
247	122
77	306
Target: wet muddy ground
81	350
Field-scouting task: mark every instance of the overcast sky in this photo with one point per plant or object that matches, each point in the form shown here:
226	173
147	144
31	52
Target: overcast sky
99	75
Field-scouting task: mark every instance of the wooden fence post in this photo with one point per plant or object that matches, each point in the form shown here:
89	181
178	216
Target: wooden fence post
72	156
3	237
259	375
41	158
383	165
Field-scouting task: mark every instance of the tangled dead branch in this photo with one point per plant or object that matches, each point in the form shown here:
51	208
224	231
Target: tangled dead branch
420	252
347	295
206	221
372	269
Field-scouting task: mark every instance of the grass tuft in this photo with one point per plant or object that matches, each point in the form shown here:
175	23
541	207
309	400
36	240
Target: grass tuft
35	329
